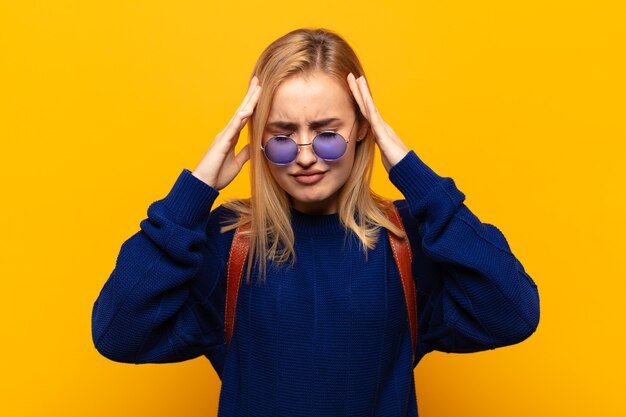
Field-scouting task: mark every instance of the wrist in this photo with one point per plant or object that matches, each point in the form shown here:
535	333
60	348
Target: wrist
190	198
204	178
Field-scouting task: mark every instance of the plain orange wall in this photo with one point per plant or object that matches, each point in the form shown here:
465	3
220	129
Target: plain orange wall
103	103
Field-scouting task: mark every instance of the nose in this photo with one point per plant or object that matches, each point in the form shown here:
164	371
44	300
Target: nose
306	156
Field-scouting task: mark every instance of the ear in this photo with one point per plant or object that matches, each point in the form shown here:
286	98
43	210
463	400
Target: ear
363	130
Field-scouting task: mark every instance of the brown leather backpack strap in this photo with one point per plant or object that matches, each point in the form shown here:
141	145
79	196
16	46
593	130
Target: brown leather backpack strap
403	256
236	260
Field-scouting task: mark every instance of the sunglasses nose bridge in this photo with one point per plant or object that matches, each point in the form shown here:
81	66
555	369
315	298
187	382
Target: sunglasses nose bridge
306	154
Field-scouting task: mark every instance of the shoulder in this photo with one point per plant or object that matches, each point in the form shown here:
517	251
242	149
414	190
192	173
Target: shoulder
425	271
410	222
217	237
412	226
222	215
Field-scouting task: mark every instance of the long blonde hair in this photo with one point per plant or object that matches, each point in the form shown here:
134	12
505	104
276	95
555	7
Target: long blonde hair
303	51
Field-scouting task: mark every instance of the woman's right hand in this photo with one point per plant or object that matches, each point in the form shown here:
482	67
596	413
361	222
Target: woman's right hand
219	165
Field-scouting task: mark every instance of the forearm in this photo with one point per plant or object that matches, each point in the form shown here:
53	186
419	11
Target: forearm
481	293
148	296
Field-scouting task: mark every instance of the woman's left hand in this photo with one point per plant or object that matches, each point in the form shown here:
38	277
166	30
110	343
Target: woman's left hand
392	149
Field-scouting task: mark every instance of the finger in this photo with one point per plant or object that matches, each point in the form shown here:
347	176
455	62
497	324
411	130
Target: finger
253	80
249	93
253	99
245	113
239	119
368	101
356	93
368	104
251	89
243	156
376	122
363	90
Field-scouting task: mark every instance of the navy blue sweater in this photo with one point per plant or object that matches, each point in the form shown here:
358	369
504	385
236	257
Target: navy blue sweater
329	335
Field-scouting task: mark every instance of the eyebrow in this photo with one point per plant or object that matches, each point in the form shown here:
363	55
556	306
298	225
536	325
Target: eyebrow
292	126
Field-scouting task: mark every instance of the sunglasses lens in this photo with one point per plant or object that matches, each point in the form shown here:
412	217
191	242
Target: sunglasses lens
281	150
329	146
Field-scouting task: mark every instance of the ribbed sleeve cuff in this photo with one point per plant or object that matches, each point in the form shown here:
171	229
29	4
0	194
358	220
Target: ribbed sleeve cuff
413	178
190	198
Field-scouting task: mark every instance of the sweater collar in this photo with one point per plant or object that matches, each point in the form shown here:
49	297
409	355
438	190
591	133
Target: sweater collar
316	223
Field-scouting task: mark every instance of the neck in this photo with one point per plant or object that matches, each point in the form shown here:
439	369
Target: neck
328	206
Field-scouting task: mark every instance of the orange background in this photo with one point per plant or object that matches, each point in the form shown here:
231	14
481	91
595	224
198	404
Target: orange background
104	103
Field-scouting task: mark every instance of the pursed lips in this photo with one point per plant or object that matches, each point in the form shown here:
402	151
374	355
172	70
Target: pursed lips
308	176
307	173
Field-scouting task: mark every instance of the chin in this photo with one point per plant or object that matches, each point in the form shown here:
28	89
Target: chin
315	201
310	199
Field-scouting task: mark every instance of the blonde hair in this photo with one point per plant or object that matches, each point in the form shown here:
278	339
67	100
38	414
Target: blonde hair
303	51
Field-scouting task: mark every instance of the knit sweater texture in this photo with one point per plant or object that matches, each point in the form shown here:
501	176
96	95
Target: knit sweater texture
328	335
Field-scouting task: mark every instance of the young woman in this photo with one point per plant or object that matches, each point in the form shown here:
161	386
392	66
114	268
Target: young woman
322	326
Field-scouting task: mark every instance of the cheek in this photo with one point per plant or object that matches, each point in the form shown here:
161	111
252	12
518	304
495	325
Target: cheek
352	164
348	162
279	175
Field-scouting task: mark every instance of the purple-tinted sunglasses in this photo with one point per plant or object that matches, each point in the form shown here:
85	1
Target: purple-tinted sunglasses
283	150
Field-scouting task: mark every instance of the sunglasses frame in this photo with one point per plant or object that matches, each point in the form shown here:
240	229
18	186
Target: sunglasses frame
307	144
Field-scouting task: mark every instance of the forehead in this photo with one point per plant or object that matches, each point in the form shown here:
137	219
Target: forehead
301	99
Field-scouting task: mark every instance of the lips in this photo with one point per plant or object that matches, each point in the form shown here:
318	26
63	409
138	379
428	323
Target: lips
309	177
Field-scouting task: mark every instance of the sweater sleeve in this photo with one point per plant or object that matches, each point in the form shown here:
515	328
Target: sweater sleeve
472	292
164	300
